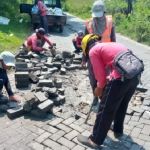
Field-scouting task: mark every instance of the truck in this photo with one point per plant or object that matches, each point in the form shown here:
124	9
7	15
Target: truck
53	19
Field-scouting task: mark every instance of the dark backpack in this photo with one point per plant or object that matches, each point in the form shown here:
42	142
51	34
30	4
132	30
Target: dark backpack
128	65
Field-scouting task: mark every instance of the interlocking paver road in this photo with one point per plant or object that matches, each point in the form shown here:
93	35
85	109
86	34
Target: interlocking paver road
60	132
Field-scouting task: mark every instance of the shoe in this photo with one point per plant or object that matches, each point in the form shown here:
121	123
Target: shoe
76	51
85	141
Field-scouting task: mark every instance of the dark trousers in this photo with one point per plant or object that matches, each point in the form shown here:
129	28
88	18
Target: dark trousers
75	46
44	23
113	106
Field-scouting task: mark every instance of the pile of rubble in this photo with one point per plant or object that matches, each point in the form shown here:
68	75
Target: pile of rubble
38	71
140	104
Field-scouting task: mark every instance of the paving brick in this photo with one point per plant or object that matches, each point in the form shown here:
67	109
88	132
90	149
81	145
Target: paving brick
66	142
136	109
36	146
127	144
22	74
128	127
68	121
71	135
87	127
63	71
43	137
36	113
86	133
23	131
135	147
57	135
135	118
64	115
78	147
76	127
146	130
144	137
64	148
146	146
50	129
134	123
137	114
138	141
46	106
36	130
61	91
40	96
146	115
28	138
127	119
46	83
30	98
63	127
56	121
18	146
58	83
15	112
53	145
145	121
79	121
135	132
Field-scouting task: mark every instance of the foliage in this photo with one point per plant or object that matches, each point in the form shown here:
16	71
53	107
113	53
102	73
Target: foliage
13	34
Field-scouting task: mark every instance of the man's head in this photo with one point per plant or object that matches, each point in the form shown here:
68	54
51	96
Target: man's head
98	9
80	34
40	32
88	42
8	60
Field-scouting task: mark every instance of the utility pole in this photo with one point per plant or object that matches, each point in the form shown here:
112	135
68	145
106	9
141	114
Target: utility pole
129	6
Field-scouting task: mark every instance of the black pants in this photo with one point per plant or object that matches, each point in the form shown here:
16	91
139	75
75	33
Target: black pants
113	106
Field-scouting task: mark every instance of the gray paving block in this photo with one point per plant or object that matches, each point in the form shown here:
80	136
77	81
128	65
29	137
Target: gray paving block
46	106
135	132
53	70
30	97
43	137
69	121
22	85
4	108
49	64
135	147
56	121
58	100
57	64
15	112
136	109
52	144
40	96
50	129
21	74
76	127
63	127
27	107
57	135
46	83
135	118
36	113
78	147
66	142
146	130
63	71
71	135
50	92
36	146
144	137
146	115
61	91
58	83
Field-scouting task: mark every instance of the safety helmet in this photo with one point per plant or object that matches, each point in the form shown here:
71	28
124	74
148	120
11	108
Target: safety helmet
86	39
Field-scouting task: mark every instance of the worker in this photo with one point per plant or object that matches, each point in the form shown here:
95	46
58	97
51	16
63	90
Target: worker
36	41
115	93
7	60
103	26
77	41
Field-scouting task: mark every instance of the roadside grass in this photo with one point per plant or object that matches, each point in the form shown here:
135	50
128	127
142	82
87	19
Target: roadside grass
13	35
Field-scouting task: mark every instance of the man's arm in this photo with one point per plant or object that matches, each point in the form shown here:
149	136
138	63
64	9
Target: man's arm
48	41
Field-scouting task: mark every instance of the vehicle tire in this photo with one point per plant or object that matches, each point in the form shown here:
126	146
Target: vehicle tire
35	26
61	28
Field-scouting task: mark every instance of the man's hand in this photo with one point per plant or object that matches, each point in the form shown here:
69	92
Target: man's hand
98	92
14	98
44	49
83	64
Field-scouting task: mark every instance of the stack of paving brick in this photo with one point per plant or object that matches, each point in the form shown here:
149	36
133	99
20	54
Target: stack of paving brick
21	75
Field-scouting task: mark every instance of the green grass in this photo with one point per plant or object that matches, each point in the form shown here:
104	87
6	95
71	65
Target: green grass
13	34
